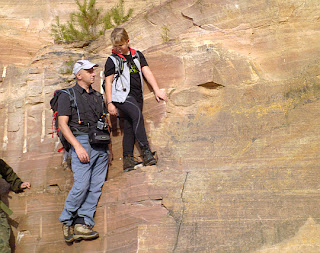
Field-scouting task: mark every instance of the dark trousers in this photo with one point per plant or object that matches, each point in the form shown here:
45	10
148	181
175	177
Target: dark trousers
133	128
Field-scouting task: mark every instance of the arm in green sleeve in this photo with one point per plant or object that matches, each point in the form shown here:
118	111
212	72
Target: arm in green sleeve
10	176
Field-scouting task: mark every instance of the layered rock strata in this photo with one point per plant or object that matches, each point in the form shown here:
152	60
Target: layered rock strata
238	139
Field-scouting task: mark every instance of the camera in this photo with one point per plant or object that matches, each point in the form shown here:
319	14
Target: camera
102	125
99	135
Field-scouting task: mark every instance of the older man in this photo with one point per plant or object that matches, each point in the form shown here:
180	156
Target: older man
89	160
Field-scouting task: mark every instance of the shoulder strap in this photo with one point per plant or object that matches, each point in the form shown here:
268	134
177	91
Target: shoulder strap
118	63
119	60
73	100
98	94
136	55
102	102
71	94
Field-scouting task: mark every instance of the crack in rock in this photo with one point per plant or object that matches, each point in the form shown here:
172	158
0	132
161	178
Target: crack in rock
182	214
140	202
191	19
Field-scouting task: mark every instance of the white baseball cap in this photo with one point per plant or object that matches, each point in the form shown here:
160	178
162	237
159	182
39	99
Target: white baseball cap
83	64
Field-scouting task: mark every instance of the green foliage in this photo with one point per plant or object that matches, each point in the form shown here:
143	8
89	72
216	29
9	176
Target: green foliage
89	22
68	66
58	31
165	33
118	15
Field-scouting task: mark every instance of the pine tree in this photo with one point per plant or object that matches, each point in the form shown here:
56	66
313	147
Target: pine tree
89	22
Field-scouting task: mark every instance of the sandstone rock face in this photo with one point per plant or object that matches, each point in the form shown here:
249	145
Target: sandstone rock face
238	139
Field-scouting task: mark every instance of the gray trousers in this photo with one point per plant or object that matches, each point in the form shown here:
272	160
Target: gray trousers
89	178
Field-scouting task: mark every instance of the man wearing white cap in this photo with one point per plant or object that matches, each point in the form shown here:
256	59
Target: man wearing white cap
89	161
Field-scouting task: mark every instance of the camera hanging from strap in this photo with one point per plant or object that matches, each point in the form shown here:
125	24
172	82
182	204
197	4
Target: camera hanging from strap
99	134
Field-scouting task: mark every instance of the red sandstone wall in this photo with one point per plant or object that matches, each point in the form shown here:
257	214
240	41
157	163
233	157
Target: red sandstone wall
238	139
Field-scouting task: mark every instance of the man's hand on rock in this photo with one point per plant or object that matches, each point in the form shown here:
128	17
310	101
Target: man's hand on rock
25	185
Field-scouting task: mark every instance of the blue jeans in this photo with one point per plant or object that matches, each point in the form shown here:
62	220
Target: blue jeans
89	178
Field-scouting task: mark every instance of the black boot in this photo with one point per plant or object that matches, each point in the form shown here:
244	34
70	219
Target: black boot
148	157
130	163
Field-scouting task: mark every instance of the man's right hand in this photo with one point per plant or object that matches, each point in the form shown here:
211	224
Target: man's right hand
65	130
112	109
82	154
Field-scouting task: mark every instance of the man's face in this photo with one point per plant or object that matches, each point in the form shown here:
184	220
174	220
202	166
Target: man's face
87	76
122	47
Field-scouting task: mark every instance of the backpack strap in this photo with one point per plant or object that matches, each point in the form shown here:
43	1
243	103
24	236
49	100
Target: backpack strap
118	63
98	94
73	101
120	59
135	55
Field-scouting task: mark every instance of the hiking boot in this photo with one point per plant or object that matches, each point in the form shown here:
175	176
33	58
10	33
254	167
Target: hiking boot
67	233
149	157
130	163
82	231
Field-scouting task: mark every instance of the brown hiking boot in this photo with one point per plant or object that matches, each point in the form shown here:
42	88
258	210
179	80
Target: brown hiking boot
68	233
130	163
149	158
82	231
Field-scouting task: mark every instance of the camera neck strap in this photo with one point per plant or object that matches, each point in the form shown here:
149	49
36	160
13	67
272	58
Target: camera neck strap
93	108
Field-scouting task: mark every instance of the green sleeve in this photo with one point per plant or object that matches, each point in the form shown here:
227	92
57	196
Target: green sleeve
10	176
